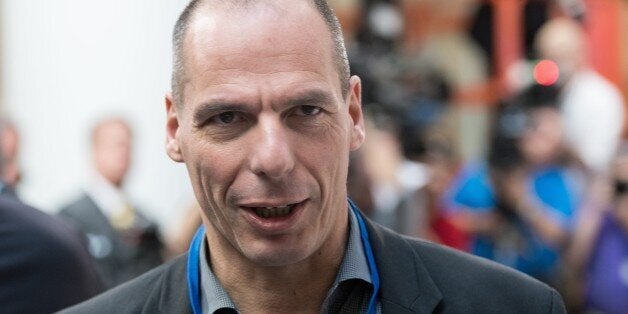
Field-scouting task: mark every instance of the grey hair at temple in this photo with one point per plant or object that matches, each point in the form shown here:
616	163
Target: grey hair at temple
341	61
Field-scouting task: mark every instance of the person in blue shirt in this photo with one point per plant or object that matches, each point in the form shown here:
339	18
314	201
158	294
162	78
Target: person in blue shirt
520	203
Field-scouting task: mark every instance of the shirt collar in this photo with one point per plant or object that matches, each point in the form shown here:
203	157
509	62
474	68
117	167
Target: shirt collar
213	295
354	266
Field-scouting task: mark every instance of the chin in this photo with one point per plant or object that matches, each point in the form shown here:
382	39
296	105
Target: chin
277	256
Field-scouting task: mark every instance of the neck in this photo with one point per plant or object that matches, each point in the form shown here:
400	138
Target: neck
300	287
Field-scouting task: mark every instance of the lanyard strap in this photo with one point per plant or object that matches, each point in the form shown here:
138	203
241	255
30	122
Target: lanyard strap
194	274
370	257
194	271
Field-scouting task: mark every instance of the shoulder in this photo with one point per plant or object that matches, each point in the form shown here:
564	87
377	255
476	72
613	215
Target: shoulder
76	207
30	224
589	85
467	272
454	281
84	214
468	281
161	290
40	251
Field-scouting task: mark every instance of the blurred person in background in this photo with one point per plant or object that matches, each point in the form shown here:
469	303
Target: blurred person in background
598	256
394	182
447	49
521	203
44	267
426	138
592	107
373	50
124	242
10	174
179	240
442	164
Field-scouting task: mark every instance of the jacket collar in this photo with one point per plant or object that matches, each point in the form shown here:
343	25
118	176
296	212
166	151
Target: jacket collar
406	285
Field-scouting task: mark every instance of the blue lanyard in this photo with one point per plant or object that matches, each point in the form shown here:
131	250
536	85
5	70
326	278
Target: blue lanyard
194	271
370	257
194	274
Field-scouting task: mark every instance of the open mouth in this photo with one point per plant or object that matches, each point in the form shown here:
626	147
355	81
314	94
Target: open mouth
273	212
273	217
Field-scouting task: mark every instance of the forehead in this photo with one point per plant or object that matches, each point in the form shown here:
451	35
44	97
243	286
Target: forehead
106	129
222	45
560	36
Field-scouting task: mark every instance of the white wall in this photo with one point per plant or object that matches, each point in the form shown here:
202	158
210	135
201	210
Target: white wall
66	63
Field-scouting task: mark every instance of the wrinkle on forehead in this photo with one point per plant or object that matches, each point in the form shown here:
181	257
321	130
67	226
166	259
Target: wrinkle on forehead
225	63
270	29
259	42
258	19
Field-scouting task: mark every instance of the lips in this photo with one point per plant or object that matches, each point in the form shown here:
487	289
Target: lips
273	217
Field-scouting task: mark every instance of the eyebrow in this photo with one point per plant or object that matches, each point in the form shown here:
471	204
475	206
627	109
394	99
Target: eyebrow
311	98
211	108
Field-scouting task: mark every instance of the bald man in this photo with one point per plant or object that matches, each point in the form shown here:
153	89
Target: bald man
592	107
263	112
122	240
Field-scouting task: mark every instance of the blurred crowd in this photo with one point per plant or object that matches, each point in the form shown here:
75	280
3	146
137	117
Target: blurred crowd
543	190
534	177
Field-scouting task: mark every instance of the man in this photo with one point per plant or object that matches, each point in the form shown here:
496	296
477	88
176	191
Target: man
124	242
592	107
43	265
264	115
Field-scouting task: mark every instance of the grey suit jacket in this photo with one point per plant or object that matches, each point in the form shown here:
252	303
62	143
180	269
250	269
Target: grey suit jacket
120	256
416	277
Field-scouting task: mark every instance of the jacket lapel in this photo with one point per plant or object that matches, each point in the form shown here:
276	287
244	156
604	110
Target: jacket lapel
96	220
406	286
173	297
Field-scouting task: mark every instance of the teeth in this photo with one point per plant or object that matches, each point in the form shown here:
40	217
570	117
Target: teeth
269	212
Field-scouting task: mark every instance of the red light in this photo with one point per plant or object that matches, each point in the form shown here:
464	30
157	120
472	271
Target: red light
546	72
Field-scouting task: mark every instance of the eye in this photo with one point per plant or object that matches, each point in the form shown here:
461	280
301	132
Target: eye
307	110
228	117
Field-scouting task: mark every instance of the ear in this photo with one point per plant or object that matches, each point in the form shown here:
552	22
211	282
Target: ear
354	102
173	148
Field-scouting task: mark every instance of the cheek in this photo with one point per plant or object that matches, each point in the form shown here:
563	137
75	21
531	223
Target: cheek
211	177
326	159
211	171
325	149
122	157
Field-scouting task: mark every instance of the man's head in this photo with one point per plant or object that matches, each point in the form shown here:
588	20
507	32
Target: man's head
265	128
542	141
562	40
111	149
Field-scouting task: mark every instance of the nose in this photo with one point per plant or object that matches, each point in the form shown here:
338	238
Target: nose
271	151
